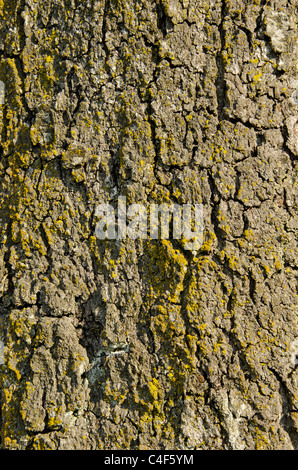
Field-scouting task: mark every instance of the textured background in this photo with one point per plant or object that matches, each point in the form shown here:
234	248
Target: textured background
143	344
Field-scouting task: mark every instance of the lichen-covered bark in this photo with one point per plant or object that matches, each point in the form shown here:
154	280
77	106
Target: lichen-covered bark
124	344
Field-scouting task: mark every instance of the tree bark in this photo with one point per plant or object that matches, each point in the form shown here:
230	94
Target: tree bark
143	344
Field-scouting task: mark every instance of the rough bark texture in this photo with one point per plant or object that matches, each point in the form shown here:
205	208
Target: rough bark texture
143	344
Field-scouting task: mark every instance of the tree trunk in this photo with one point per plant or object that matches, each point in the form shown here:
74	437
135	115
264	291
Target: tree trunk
123	343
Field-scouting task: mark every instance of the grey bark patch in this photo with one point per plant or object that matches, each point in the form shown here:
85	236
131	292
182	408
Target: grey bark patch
2	354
